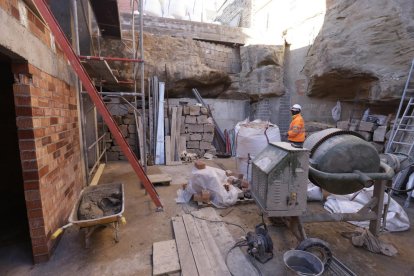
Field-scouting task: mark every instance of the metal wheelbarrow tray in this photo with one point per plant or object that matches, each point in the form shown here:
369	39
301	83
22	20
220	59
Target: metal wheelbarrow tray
90	225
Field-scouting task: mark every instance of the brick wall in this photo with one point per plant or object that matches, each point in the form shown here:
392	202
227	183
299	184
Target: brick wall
48	131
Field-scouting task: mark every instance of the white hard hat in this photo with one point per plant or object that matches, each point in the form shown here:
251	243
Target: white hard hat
296	106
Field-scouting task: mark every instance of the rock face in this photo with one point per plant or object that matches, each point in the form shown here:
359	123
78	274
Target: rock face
363	50
174	60
262	70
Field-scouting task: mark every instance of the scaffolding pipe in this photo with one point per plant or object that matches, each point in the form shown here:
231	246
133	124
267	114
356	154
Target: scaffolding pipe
116	93
141	46
112	59
78	89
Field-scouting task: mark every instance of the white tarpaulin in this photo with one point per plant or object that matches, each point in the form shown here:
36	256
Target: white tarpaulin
397	219
212	180
251	139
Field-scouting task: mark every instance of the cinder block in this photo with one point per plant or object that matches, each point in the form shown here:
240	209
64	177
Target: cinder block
132	129
366	126
193	144
127	121
203	110
202	119
186	110
205	145
190	119
379	134
112	156
195	137
194	128
194	110
209	128
208	137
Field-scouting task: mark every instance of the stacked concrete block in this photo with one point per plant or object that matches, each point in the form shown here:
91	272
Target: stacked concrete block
126	124
369	131
197	129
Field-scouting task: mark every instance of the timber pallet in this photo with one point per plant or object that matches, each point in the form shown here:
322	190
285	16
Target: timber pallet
239	201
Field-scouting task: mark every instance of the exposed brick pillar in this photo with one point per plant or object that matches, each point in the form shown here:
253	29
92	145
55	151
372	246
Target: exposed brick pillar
47	121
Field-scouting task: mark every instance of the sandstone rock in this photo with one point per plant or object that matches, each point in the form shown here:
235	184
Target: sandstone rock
362	49
262	70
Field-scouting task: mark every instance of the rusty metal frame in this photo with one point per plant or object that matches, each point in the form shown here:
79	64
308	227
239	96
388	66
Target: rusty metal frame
97	100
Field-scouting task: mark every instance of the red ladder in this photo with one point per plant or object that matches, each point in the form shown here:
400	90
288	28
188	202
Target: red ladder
97	100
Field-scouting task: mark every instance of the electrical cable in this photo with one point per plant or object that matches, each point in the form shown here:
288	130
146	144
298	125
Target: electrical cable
215	221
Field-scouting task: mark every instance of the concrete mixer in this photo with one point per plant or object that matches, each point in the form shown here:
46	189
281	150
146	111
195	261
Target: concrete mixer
338	161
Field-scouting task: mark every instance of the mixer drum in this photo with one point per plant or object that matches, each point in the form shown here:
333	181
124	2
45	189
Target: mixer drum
338	151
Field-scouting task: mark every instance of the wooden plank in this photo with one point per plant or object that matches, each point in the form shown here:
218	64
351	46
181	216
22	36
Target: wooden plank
173	132
237	262
159	178
204	267
216	258
97	175
167	150
140	132
165	258
188	266
174	163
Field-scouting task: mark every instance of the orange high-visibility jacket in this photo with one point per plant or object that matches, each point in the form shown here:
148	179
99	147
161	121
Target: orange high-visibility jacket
296	131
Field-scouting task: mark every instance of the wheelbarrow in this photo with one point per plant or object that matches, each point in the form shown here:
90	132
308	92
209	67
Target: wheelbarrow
89	225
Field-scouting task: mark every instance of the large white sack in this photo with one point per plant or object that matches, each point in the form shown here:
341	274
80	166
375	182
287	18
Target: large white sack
178	9
152	8
213	180
397	219
251	139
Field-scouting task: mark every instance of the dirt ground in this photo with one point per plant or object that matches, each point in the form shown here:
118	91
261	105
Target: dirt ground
132	255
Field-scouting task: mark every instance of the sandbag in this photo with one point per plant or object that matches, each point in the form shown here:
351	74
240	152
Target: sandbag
397	219
212	180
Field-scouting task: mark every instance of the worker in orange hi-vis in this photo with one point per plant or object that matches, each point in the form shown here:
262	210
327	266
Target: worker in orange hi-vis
296	133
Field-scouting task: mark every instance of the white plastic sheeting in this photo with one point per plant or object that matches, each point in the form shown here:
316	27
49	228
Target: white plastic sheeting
314	192
397	219
251	139
213	180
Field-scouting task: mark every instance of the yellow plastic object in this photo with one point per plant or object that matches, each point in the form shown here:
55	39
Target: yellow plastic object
57	233
123	220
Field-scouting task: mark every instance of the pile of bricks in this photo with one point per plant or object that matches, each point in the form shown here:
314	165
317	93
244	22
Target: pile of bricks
374	133
126	124
198	130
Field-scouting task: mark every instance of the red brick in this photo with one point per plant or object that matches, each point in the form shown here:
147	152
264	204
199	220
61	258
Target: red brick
22	100
27	154
46	140
43	171
38	232
24	122
31	185
35	213
25	134
38	250
30	175
29	165
39	25
56	154
34	204
32	195
21	89
39	132
53	120
36	223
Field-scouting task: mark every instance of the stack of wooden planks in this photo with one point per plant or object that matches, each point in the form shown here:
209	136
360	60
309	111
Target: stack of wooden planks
175	143
202	246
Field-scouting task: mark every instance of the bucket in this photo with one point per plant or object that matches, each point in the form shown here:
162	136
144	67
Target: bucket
303	263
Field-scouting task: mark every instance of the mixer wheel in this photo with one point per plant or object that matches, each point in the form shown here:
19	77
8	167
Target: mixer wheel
319	248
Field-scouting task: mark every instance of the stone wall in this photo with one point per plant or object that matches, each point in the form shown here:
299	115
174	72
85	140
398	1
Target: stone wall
221	57
47	121
189	29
